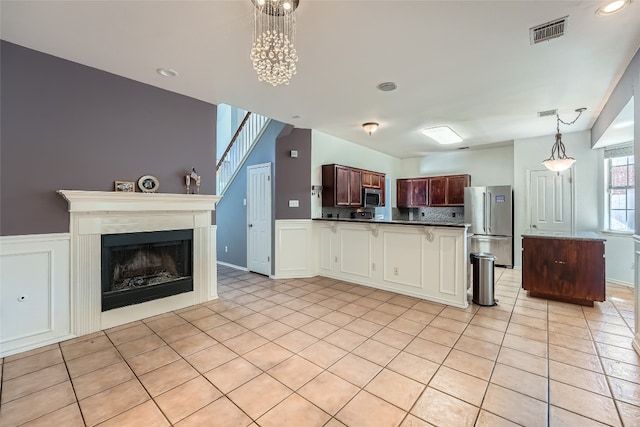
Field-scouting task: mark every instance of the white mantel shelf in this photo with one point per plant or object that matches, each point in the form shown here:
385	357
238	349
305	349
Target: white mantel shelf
117	201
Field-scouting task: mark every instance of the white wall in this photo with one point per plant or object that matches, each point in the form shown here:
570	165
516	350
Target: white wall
528	156
488	166
619	261
327	149
589	196
223	129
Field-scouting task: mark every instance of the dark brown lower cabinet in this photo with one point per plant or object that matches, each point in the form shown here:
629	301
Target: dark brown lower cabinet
564	269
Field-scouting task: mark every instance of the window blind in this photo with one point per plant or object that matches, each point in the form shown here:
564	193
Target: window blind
619	150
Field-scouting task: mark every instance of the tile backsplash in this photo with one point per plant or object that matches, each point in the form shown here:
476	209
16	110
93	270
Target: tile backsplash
343	212
444	214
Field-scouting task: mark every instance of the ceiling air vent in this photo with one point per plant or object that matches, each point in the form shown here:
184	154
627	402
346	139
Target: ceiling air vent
548	31
547	113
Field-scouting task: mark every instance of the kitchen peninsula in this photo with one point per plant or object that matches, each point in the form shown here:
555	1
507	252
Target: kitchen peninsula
422	259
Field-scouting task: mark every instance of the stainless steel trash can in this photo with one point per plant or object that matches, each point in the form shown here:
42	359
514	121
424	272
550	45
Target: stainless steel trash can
483	265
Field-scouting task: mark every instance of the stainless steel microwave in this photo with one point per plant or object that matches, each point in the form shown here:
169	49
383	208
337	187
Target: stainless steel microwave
372	198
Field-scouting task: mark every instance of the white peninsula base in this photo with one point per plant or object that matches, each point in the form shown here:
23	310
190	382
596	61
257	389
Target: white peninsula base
421	260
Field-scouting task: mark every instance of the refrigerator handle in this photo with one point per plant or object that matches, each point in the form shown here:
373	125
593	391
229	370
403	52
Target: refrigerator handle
484	207
489	214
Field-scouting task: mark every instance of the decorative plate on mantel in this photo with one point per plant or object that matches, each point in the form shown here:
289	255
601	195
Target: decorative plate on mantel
148	184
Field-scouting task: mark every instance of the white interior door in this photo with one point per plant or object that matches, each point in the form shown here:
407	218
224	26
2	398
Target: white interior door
259	218
551	200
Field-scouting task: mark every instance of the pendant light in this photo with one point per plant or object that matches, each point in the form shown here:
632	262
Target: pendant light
562	162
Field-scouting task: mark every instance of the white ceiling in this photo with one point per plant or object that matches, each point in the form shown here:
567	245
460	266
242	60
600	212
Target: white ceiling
466	64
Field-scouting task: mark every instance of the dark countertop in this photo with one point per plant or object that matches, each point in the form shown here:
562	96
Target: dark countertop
396	222
578	235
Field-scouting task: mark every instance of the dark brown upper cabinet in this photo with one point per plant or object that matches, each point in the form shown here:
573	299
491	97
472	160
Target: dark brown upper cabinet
433	191
412	192
448	190
342	185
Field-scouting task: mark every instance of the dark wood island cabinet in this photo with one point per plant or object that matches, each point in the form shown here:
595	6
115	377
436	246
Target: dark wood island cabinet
566	267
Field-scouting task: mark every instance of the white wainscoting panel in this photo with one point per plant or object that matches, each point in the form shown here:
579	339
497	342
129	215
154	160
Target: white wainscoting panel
448	275
402	258
34	291
294	248
326	254
355	247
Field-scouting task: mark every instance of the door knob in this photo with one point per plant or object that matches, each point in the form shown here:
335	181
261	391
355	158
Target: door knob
250	225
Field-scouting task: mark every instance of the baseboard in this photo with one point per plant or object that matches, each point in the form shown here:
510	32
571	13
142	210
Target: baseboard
32	346
237	267
296	276
620	282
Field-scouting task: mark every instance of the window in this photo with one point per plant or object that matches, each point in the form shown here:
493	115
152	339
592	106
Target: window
621	190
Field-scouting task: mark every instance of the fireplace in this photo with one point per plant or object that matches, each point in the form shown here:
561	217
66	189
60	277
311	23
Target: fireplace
141	267
94	214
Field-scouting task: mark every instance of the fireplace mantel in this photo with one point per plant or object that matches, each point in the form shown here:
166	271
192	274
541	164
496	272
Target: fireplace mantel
119	201
97	213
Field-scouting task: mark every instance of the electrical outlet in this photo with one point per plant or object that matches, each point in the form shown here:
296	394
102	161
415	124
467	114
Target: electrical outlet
226	249
336	259
373	266
395	271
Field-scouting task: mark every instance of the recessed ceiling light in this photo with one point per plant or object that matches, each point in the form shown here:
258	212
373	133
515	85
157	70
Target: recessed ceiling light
612	7
442	135
387	86
167	72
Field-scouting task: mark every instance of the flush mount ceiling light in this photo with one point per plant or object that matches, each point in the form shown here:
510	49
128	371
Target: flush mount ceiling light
273	50
442	135
370	127
612	7
387	86
167	72
562	162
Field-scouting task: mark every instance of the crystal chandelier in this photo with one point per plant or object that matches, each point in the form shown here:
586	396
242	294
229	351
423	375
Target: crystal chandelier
562	162
273	51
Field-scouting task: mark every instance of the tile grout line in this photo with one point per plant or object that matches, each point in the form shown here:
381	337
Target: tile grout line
604	371
349	290
548	367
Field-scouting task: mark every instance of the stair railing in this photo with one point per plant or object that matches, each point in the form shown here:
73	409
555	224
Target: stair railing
243	141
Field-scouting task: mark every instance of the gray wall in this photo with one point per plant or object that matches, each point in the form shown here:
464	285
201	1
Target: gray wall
231	213
293	175
68	126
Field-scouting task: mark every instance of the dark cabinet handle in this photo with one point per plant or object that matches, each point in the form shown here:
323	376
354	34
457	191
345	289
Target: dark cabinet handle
250	225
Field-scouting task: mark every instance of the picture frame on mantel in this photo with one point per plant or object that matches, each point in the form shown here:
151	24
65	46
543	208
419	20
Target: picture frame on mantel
125	186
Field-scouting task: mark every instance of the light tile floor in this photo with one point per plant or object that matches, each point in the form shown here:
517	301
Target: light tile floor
314	352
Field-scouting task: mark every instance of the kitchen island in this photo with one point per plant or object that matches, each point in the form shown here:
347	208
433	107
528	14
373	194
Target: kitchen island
422	259
564	266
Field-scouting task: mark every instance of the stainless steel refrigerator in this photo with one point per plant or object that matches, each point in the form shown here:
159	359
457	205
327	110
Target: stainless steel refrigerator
489	210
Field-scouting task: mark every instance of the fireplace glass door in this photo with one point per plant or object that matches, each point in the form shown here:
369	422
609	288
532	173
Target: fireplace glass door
140	267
